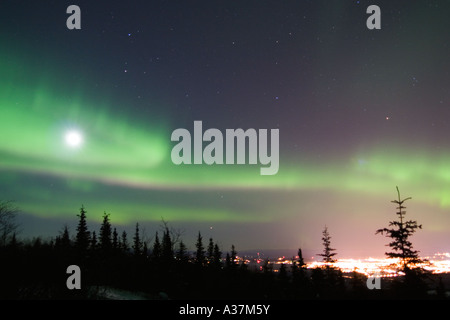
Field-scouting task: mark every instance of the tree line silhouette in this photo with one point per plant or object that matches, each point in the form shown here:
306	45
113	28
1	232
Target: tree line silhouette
166	269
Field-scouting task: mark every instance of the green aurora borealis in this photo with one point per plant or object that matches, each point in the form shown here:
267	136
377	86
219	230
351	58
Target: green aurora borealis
124	167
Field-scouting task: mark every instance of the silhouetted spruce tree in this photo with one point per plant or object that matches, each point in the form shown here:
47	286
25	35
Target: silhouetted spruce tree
200	252
233	253
301	262
327	282
167	249
217	256
105	234
124	242
299	265
156	252
115	240
413	284
400	232
328	253
119	243
182	252
301	282
94	245
137	244
144	249
233	257
210	250
66	244
82	236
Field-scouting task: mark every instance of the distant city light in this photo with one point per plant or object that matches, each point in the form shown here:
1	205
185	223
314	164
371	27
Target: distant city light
382	267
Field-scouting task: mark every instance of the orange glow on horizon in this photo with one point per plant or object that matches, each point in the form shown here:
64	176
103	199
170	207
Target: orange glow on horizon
383	267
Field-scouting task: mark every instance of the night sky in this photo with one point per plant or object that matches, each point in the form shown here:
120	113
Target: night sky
359	112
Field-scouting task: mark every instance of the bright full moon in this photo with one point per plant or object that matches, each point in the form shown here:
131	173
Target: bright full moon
73	138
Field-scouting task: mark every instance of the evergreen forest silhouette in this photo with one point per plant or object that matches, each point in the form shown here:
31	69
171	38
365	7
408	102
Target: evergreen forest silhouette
165	269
